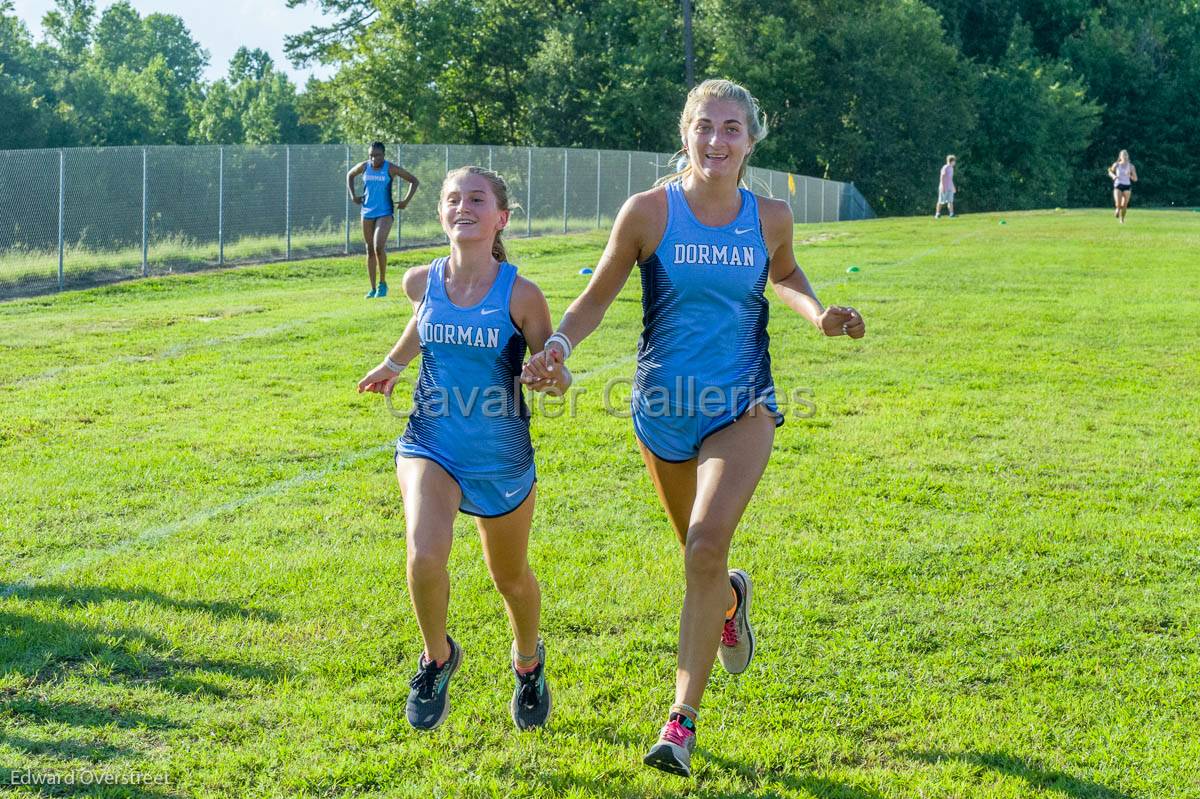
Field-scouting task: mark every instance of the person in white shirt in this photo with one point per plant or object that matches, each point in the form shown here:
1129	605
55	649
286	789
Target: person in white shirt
946	189
1123	175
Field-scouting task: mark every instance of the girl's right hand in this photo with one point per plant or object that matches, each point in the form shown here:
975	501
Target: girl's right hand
359	200
543	369
380	380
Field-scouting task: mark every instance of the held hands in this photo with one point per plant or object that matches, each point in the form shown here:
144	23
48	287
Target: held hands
840	320
380	380
545	371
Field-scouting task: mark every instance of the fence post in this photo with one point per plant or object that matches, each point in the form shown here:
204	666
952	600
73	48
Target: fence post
529	194
221	206
400	211
144	239
804	182
444	173
597	189
822	199
629	175
61	188
347	249
566	153
287	201
490	157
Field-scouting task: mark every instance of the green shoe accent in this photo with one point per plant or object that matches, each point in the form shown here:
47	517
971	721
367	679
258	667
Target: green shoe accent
429	701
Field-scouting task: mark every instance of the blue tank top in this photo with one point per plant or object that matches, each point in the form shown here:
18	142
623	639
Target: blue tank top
377	191
468	407
704	315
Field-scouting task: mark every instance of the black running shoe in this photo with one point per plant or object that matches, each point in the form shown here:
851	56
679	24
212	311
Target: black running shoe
429	701
530	705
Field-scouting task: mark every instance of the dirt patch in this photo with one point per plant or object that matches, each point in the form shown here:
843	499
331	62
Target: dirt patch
819	237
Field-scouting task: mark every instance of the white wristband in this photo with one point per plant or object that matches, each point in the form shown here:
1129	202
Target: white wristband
390	364
563	342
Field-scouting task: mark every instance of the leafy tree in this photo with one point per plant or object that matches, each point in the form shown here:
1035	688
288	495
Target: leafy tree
1035	96
1031	164
876	97
255	104
603	74
28	117
1143	65
69	27
441	70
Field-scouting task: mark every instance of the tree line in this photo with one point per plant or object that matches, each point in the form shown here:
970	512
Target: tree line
1035	97
118	78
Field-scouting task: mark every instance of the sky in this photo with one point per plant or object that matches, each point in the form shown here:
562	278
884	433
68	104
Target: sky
220	26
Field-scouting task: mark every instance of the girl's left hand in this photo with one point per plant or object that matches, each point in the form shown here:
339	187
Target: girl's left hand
555	384
838	320
380	380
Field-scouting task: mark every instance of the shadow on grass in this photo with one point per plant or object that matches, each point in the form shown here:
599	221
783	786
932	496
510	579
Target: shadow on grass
706	765
87	594
1037	777
768	779
41	652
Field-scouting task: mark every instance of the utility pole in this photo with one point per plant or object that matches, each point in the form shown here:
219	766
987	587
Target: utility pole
688	55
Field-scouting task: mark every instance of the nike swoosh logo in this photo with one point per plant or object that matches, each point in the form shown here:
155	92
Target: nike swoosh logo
487	311
508	494
739	231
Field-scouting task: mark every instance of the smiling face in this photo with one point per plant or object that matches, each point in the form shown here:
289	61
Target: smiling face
717	138
468	209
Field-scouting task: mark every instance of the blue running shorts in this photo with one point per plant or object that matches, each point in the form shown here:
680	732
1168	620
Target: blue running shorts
676	437
482	495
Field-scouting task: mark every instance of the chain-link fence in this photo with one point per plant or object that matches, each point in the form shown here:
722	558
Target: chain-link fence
78	217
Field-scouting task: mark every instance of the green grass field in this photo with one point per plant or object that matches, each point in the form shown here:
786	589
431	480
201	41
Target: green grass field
976	566
24	272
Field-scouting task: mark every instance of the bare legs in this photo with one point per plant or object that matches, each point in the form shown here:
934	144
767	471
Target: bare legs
505	542
704	499
431	500
375	234
383	226
1121	201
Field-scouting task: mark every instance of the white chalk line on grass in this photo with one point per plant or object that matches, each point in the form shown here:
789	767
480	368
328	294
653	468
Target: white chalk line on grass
160	532
263	332
175	350
157	533
178	349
